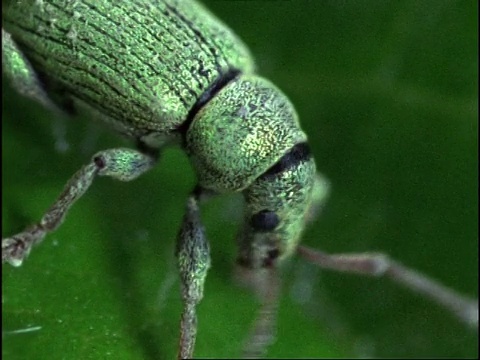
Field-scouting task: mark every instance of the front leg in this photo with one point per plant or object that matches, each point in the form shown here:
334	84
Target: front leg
193	254
265	284
122	164
377	265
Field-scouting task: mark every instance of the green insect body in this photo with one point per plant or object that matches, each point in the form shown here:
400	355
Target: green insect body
167	72
163	73
143	64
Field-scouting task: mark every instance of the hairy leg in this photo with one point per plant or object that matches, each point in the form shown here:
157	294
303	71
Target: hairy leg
193	256
376	264
121	163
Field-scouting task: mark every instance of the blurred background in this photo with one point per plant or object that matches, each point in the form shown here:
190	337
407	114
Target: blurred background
387	93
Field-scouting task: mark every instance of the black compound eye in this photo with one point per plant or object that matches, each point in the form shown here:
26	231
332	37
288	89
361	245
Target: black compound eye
265	220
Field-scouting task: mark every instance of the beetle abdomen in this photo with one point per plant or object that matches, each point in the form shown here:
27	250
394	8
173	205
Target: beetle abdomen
144	63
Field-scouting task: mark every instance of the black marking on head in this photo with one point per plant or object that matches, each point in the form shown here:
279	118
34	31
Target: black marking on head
272	255
297	154
264	221
208	95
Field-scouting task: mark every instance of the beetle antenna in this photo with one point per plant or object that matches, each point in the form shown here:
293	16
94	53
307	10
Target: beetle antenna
377	264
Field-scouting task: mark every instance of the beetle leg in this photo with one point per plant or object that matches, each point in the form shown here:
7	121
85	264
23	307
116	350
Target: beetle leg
193	255
321	190
21	74
376	264
121	163
265	283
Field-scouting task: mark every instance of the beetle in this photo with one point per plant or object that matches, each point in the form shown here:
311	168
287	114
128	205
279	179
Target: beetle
254	222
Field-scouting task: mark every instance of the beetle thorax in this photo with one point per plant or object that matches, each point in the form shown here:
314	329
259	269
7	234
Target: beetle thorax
240	133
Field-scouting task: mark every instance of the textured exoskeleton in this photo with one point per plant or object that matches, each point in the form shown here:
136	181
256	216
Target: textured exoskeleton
161	73
167	72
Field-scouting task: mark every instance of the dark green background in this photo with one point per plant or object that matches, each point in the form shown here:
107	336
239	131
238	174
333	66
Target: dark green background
386	91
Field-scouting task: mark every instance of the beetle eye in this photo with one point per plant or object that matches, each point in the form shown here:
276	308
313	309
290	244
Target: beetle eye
265	220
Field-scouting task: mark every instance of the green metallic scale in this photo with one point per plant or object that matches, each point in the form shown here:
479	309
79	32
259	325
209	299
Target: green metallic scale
168	72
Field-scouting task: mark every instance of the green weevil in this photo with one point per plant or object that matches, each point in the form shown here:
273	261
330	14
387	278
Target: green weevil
165	73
